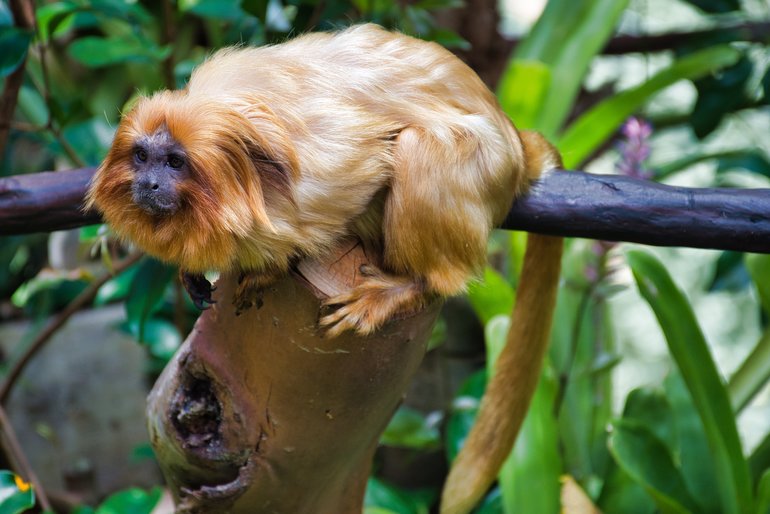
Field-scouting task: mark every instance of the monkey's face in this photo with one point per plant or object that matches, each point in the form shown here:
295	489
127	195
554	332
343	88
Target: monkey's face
188	179
160	164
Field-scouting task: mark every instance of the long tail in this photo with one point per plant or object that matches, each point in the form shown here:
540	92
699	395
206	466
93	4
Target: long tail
510	390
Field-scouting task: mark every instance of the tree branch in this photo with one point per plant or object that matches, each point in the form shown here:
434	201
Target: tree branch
618	208
573	204
43	202
24	17
750	32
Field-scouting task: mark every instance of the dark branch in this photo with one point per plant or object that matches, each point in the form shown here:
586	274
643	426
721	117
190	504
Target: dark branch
43	202
563	203
619	208
751	32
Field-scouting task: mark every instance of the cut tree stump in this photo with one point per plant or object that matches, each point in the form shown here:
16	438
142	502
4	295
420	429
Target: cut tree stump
262	413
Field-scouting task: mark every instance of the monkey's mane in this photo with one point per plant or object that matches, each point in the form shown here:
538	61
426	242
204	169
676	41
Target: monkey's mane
233	158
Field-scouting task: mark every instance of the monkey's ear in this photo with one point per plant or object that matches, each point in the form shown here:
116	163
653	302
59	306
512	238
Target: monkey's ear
276	175
272	148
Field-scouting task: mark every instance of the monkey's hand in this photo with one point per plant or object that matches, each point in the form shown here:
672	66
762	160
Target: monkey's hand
371	303
199	289
251	286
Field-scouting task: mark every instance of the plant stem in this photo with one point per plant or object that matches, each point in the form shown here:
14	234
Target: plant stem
18	459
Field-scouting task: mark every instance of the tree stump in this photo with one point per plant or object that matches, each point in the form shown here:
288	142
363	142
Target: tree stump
262	413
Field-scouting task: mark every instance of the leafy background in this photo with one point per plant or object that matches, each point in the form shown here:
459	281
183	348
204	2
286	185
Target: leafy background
653	396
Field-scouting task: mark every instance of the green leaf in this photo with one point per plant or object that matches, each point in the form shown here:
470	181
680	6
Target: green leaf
622	495
754	371
448	39
6	17
692	446
408	428
46	293
583	28
382	497
766	86
758	266
594	127
490	296
463	412
216	9
131	501
146	292
96	52
16	495
492	503
759	461
689	349
257	8
752	375
14	43
730	273
763	494
432	5
82	509
116	288
719	96
51	16
133	12
748	159
91	138
647	460
523	90
651	409
162	338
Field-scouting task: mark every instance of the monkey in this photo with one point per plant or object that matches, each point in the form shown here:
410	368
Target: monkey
275	153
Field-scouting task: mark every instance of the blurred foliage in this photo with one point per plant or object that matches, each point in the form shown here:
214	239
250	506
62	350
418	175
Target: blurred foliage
673	447
16	495
130	501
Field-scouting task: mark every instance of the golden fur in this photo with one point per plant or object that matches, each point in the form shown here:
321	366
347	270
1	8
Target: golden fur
293	146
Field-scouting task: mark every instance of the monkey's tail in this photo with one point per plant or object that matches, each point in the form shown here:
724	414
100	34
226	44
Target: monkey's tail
513	383
517	370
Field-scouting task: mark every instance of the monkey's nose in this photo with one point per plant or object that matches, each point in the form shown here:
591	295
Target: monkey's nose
154	199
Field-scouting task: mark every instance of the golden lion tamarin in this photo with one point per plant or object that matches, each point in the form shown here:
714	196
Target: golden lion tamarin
273	154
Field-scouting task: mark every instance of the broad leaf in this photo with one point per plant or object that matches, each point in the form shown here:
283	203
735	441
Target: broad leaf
131	501
690	351
409	428
16	495
594	127
491	296
719	96
647	460
146	292
557	65
96	52
14	43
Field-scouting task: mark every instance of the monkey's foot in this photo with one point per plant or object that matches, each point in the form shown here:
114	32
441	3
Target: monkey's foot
367	306
248	293
199	289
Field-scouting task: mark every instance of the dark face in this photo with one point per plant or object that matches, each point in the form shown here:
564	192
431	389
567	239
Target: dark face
159	164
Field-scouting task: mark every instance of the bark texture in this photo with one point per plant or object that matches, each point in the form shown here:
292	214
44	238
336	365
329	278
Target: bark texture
261	413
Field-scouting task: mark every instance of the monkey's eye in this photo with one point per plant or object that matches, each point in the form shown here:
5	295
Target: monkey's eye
140	154
175	161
